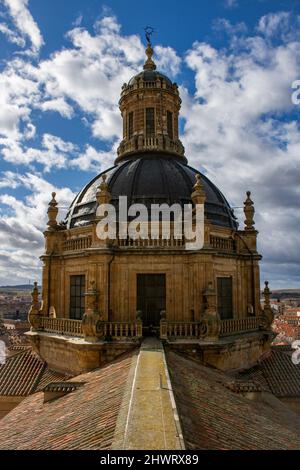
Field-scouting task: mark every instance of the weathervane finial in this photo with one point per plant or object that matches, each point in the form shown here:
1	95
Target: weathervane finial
149	64
148	33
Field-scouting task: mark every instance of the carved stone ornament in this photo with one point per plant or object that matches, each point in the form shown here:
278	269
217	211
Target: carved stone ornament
267	317
34	311
91	317
249	212
52	213
210	323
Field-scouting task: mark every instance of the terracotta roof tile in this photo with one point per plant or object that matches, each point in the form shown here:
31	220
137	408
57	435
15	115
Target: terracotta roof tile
24	372
19	374
214	417
282	376
83	419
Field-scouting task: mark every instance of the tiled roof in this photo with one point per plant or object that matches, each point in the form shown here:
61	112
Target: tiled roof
19	374
83	419
24	372
214	417
282	376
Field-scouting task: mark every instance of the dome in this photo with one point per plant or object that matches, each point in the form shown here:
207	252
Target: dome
151	179
149	76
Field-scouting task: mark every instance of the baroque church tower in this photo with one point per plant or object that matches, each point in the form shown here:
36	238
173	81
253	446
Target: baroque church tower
101	297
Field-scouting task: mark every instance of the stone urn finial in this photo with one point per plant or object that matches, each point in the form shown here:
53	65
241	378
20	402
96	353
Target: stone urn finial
249	212
268	313
34	311
103	195
52	213
198	194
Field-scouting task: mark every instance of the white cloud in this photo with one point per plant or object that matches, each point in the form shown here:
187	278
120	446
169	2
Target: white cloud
167	60
21	232
12	36
230	3
54	152
25	23
235	131
271	23
59	105
222	24
94	160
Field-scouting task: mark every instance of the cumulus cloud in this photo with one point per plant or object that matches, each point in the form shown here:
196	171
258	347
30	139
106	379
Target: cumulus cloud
12	36
21	237
54	152
234	129
25	24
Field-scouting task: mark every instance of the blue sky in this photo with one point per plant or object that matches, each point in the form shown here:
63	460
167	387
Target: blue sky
62	66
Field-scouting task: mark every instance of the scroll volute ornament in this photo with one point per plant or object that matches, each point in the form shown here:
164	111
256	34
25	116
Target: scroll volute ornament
34	311
249	212
210	324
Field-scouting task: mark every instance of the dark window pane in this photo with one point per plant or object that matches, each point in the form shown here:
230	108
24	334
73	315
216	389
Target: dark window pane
77	299
130	125
224	287
150	126
170	124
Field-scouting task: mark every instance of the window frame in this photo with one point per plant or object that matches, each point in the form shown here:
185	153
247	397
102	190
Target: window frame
77	283
130	129
225	309
149	135
170	124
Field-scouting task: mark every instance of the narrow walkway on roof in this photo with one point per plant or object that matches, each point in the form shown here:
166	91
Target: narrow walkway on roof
151	420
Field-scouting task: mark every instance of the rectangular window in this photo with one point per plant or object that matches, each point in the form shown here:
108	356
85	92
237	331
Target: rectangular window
130	124
77	303
170	124
150	126
225	297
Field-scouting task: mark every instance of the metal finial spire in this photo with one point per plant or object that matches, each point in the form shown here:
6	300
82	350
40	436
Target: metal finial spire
148	33
149	64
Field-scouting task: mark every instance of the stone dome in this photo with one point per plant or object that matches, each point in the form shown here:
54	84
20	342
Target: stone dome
149	76
151	178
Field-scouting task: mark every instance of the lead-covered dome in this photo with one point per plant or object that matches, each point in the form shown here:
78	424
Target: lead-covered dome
151	179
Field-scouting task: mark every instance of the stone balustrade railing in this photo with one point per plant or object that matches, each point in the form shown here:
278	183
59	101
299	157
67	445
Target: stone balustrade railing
179	329
69	327
188	330
131	330
239	325
120	330
150	143
62	326
220	243
76	244
151	243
